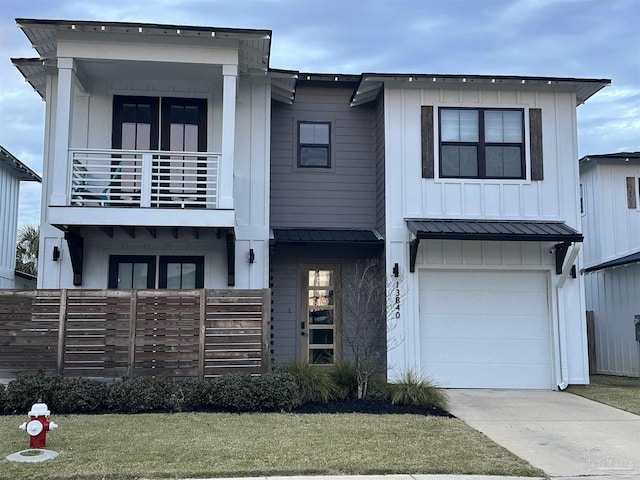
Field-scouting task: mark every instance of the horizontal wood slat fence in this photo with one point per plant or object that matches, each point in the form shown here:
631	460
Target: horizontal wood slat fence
116	333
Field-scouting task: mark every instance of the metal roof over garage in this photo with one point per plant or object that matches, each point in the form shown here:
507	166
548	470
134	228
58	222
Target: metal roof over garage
511	230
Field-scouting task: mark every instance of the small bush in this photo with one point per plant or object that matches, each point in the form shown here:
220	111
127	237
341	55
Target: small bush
411	389
27	389
77	395
314	383
345	380
244	393
3	398
145	394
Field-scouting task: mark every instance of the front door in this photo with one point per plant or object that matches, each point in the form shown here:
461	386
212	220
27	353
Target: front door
321	314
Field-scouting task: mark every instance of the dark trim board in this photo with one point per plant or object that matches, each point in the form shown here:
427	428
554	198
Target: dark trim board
618	262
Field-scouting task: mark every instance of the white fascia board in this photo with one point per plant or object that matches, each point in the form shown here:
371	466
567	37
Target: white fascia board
139	217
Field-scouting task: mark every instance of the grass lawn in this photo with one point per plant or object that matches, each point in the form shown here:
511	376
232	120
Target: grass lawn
619	392
219	444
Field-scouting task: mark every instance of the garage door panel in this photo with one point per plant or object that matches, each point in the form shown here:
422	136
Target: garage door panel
480	326
485	329
491	376
487	281
481	301
485	351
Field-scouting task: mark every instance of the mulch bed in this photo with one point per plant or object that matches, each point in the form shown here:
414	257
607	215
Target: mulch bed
371	406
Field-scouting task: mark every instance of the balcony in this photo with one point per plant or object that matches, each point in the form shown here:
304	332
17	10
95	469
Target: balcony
143	179
142	188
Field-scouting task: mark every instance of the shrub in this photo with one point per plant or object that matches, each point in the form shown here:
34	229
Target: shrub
77	395
314	383
242	393
27	389
412	389
345	380
3	398
145	394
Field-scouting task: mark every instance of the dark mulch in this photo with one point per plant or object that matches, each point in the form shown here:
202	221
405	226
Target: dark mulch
371	406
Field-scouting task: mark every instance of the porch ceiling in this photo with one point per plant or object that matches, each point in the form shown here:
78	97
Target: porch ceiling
254	46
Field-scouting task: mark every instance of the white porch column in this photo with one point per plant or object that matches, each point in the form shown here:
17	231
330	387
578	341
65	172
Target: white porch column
225	194
62	133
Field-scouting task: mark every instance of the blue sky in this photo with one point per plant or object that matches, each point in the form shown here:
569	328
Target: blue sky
556	38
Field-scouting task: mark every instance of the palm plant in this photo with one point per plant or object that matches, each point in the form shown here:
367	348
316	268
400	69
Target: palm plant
27	249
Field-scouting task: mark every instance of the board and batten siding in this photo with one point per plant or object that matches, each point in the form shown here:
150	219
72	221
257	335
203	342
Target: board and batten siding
613	295
9	195
554	198
611	226
343	196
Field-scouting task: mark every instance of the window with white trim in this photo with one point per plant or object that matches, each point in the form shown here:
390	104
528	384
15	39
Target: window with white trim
482	143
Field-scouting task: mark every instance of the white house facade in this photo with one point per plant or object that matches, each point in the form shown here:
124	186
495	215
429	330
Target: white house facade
12	172
176	157
610	206
482	228
156	154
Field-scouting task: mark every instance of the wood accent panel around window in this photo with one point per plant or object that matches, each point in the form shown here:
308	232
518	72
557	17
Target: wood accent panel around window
426	118
631	192
535	143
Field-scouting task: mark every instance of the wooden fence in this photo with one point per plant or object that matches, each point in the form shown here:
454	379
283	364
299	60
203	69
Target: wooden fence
116	333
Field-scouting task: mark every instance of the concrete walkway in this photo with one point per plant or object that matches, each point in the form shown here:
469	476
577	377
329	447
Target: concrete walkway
563	434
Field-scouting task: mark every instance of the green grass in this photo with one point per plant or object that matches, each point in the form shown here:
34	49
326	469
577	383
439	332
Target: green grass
218	444
619	392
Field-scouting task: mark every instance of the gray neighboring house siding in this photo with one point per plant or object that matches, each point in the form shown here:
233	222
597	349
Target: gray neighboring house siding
343	196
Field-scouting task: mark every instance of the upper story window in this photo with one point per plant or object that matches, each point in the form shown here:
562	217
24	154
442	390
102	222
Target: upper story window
144	123
482	143
314	145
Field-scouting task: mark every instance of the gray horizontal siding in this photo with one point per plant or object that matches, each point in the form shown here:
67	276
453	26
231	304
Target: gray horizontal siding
341	197
286	303
380	158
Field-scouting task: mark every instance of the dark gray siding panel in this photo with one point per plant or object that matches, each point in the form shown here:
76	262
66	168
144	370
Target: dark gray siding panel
380	158
286	304
343	196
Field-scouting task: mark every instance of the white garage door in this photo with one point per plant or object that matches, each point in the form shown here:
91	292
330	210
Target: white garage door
483	329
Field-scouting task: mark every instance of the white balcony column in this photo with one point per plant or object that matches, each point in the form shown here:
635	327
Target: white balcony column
62	133
225	180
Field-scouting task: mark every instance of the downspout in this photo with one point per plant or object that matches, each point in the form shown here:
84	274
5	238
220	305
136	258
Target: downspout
562	328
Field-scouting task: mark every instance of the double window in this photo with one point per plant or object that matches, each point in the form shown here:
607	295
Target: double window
139	271
314	144
482	143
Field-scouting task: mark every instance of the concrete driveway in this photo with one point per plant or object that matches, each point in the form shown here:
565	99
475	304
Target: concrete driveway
560	433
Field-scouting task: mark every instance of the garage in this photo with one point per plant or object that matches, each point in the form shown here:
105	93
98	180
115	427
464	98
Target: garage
485	329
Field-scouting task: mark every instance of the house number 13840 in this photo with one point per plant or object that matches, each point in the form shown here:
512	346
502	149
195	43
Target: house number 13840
397	300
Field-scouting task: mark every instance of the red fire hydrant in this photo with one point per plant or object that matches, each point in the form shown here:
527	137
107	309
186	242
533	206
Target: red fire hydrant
39	425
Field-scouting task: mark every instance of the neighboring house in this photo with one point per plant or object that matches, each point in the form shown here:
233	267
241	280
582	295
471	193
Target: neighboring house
12	172
463	189
610	207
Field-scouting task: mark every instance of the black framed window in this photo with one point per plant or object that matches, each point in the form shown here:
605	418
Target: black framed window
181	272
132	271
139	272
482	143
314	144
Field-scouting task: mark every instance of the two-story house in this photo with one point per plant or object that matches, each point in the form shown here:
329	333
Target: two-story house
610	208
156	154
177	158
12	172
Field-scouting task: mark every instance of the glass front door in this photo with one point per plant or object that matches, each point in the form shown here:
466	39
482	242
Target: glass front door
321	315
